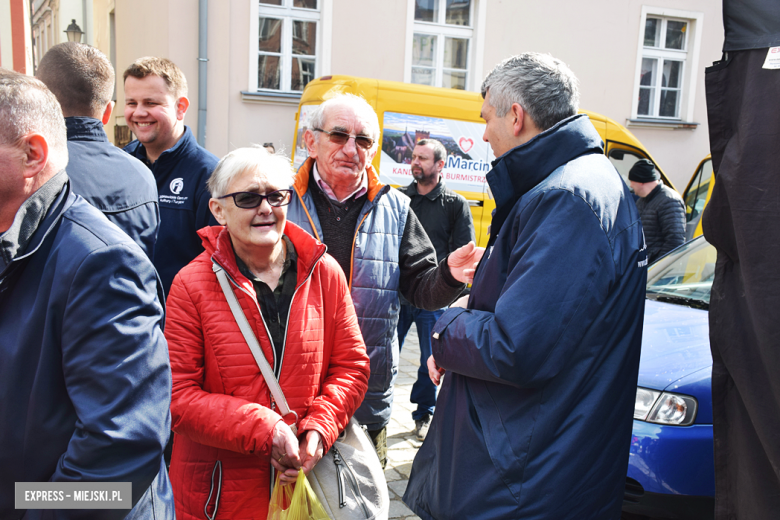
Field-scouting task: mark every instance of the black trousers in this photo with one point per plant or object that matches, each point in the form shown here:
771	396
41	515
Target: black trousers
742	220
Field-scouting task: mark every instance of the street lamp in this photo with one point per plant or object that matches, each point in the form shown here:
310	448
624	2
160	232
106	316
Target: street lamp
74	32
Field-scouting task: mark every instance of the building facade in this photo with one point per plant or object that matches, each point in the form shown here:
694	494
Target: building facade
16	51
639	63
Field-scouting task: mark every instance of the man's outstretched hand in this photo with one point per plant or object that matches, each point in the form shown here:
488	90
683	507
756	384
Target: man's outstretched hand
463	262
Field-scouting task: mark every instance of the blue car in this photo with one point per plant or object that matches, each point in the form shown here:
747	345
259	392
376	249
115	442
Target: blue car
670	471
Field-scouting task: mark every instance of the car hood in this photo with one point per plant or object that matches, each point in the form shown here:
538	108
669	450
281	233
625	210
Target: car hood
675	344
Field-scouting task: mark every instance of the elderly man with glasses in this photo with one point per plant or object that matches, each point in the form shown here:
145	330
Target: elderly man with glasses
378	242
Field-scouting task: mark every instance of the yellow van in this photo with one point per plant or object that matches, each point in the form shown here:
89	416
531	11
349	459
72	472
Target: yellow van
408	113
696	197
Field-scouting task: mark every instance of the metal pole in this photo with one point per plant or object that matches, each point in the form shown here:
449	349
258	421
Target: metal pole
203	11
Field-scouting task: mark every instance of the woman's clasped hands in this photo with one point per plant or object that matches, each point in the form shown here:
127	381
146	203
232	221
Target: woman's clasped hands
288	455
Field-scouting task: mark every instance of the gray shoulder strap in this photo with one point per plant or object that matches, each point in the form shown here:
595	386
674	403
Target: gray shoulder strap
254	346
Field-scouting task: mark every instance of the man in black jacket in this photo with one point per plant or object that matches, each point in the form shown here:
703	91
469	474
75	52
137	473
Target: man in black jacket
82	79
661	209
447	221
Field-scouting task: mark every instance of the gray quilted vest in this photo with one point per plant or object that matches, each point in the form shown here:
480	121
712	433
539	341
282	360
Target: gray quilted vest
374	285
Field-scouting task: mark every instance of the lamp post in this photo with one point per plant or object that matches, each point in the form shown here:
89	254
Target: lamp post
74	32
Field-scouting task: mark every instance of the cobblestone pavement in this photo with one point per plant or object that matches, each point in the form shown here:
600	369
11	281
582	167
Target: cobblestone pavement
401	442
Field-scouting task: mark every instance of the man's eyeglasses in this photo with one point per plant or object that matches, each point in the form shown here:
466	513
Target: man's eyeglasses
249	200
340	138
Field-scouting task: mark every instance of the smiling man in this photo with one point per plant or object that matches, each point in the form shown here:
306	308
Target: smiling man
378	242
155	105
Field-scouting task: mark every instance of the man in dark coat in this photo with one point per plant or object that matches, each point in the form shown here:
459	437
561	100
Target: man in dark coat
378	242
85	380
82	79
534	418
742	221
661	209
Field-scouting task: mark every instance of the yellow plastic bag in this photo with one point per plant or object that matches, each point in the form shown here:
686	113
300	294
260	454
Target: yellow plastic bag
295	502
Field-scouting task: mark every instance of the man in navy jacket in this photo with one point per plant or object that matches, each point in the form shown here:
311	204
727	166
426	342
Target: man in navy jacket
155	105
82	79
85	381
534	418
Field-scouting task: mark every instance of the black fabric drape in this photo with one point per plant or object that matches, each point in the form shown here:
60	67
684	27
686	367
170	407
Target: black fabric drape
742	220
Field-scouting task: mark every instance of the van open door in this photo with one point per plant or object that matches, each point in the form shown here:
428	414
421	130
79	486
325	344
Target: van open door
696	196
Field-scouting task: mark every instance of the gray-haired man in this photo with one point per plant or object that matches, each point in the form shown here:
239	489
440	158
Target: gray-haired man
534	418
375	238
85	380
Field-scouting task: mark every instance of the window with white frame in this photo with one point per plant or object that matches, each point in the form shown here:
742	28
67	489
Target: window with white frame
663	67
287	39
667	62
442	41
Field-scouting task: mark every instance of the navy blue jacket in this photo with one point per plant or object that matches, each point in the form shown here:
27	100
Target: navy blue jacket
181	173
115	183
85	380
534	417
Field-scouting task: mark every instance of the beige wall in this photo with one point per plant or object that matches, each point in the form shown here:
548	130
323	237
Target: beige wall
370	50
101	38
599	41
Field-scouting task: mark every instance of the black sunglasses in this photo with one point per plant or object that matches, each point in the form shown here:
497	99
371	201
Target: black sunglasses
340	138
249	200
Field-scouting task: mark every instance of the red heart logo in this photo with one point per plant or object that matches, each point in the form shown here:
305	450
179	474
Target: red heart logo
465	144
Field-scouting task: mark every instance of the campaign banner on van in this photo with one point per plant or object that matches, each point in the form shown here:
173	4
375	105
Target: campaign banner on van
468	158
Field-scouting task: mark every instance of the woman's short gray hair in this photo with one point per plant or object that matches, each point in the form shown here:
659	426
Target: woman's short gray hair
544	86
359	106
253	158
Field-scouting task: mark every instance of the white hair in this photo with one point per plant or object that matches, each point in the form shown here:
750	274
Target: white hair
359	107
27	106
253	158
544	86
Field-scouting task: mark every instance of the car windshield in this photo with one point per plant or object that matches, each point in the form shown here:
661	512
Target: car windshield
684	276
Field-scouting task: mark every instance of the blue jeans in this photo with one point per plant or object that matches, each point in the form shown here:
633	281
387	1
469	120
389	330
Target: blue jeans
423	390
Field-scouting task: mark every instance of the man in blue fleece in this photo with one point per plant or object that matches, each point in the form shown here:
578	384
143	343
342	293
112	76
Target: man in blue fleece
155	105
534	418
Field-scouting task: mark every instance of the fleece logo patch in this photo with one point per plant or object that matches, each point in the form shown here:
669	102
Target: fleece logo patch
177	185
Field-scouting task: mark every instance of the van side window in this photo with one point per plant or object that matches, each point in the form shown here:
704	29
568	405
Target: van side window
623	160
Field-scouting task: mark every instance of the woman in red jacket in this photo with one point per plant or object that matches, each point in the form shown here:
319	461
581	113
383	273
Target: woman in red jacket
228	432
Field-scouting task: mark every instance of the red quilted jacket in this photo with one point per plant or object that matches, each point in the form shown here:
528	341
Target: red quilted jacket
221	406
